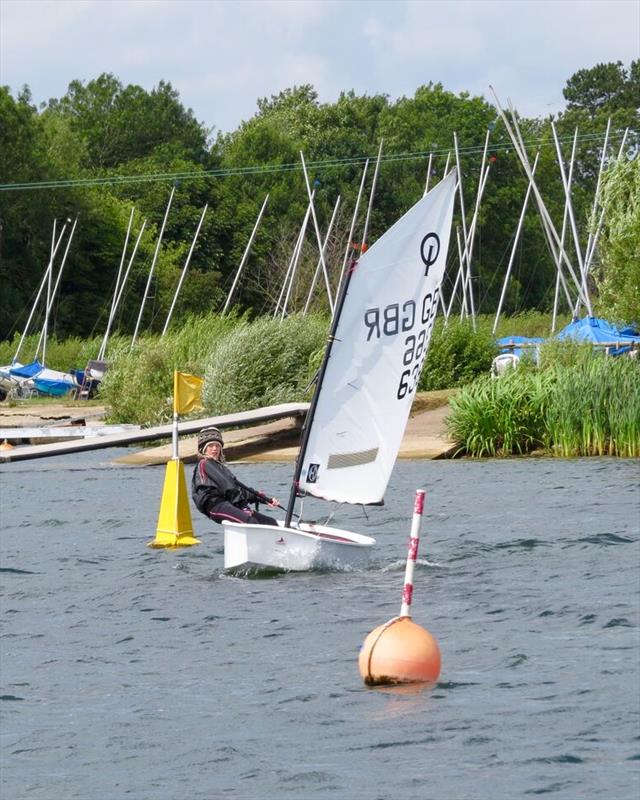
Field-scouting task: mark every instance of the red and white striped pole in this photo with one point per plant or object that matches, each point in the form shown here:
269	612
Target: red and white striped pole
401	651
412	555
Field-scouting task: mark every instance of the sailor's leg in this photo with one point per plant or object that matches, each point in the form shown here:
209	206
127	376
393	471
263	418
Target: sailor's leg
262	519
227	511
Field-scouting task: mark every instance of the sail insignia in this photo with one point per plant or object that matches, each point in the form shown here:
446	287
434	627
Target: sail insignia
342	460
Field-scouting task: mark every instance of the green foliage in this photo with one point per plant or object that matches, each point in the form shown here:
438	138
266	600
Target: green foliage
103	128
122	123
595	408
529	323
619	273
139	383
605	87
457	354
579	403
264	362
499	417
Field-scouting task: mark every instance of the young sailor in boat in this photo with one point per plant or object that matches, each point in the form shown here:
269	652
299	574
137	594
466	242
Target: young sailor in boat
216	491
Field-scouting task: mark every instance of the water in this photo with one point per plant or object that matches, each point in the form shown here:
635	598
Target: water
135	673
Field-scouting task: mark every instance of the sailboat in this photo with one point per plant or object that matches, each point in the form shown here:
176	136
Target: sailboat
364	390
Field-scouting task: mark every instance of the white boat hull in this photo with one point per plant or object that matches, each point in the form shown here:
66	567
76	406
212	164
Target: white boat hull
265	547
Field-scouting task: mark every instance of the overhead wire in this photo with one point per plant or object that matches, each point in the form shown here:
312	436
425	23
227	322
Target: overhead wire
269	169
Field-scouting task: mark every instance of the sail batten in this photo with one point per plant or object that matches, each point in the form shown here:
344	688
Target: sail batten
377	351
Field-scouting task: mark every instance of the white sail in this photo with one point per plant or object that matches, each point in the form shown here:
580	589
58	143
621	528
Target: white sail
376	357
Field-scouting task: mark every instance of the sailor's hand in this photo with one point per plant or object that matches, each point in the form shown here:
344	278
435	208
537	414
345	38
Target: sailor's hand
274	502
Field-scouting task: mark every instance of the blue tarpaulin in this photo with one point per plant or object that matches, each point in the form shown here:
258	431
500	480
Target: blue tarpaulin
27	371
52	387
599	331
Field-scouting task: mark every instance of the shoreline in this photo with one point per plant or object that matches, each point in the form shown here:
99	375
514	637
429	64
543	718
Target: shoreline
425	435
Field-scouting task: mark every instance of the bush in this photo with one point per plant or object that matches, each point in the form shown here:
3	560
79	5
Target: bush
457	354
138	385
265	362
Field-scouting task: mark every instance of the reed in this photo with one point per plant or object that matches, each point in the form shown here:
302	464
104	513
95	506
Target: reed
500	417
579	403
596	407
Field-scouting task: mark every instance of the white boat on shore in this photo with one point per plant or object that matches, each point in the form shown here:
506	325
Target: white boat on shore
363	395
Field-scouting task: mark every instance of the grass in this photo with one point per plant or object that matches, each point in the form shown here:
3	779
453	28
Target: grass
579	403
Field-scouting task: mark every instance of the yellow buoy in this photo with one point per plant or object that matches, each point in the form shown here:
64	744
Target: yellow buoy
400	651
175	527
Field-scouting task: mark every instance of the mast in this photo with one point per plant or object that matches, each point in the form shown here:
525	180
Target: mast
153	264
317	230
43	283
371	196
553	238
184	271
306	428
566	183
45	326
118	296
565	217
514	248
244	257
596	236
43	335
324	247
353	224
118	277
294	259
596	196
426	185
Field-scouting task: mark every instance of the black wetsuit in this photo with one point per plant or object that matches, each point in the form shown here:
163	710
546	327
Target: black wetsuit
219	495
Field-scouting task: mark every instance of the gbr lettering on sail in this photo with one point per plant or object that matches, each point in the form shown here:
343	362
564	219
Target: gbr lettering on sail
411	320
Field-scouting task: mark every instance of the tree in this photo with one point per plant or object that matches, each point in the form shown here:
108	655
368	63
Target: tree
605	87
122	123
618	276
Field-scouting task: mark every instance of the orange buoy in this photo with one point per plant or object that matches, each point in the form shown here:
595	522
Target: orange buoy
6	445
400	651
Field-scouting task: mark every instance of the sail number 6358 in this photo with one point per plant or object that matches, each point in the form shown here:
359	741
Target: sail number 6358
414	356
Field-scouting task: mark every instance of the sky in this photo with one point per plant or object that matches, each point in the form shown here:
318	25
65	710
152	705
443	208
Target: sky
222	56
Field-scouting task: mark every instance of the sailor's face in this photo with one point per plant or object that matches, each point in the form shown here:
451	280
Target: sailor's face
213	450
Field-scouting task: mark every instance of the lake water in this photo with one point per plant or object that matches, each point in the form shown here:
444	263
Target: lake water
128	672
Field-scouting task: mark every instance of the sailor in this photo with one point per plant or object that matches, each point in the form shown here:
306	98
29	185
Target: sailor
216	491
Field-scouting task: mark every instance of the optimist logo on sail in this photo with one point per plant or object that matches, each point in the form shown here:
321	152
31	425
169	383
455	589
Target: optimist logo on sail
429	250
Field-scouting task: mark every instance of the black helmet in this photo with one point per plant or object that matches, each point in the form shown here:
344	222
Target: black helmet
208	435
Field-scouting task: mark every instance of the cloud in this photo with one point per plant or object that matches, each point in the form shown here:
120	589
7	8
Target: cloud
222	56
